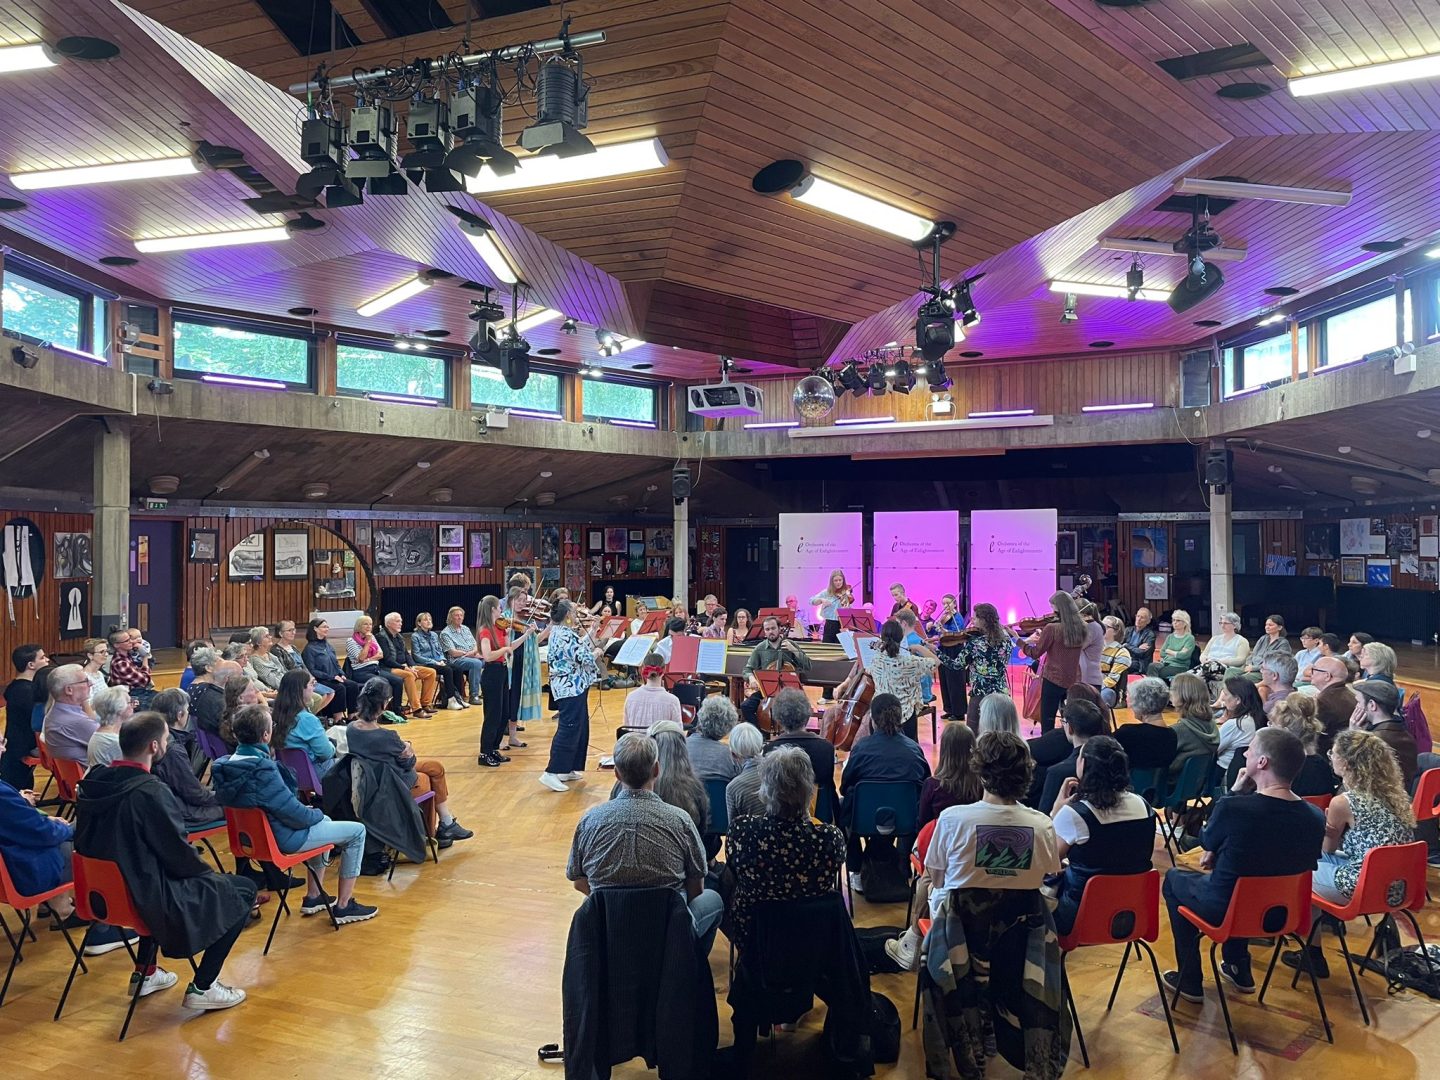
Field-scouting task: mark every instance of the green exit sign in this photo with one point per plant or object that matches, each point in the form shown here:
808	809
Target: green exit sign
156	504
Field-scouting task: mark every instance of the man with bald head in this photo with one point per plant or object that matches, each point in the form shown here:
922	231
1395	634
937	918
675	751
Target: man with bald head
207	692
1325	671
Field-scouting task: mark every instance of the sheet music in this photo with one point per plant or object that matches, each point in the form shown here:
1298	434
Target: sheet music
867	647
847	642
710	660
635	649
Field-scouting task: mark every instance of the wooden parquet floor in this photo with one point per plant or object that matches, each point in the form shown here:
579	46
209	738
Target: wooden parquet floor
460	975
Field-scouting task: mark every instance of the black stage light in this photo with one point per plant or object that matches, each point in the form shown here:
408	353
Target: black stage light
1134	279
936	376
514	361
962	303
935	329
569	326
342	193
903	379
1070	314
478	118
370	132
562	109
850	378
428	127
875	378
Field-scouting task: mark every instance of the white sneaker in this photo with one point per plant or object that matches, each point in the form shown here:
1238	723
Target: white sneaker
903	951
573	776
157	980
553	782
855	882
454	705
219	996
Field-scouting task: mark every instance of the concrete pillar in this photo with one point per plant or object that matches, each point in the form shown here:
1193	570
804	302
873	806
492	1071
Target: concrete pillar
1222	558
680	587
110	596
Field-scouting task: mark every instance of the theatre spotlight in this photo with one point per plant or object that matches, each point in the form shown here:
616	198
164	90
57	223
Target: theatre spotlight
562	108
569	326
850	378
370	131
477	115
1134	279
935	329
962	303
1070	314
936	376
903	379
875	378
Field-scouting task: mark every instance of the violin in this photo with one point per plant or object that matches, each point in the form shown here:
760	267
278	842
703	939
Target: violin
502	623
1039	622
956	637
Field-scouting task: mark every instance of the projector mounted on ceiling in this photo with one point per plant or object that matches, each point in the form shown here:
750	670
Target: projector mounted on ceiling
725	398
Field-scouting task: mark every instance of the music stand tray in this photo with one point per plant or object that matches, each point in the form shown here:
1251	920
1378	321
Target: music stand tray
772	682
858	620
654	622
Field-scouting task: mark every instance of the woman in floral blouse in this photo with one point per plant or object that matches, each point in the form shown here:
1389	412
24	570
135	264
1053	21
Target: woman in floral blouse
987	656
784	855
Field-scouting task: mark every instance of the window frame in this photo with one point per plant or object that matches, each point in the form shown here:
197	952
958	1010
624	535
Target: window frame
1355	301
432	352
180	317
35	274
558	374
622	421
1234	353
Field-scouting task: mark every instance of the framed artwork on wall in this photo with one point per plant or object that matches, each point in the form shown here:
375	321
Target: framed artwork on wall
1065	548
246	561
452	562
595	541
292	554
481	553
73	557
404	550
519	545
1352	571
204	546
452	536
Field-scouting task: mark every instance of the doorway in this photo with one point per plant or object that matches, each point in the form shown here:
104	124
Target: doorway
752	569
155	581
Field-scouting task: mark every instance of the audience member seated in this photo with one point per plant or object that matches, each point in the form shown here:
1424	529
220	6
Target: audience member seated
20	700
1267	832
710	757
1334	706
296	727
1271	643
240	691
366	739
127	816
742	794
1054	746
716	627
1325	672
1297	714
265	665
199	809
363	653
207	689
129	667
1140	642
396	660
97	655
887	754
250	778
637	839
1375	705
1377	661
1152	743
463	651
790	711
323	703
112	707
1176	652
781	853
186	677
1277	678
678	783
1101	825
998	713
1195	731
1242	714
667	639
1081	721
1229	646
1357	643
319	659
68	726
1309	652
35	845
1114	660
1372	810
430	653
955	782
651	702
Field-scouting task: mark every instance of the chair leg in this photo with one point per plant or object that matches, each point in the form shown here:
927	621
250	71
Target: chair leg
1125	959
16	943
134	1000
213	853
1224	1005
1270	970
919	985
1314	985
1160	986
1309	944
1074	1012
1350	967
394	858
282	908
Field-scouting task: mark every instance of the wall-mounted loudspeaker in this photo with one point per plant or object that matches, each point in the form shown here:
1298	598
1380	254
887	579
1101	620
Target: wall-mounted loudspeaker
680	483
1219	468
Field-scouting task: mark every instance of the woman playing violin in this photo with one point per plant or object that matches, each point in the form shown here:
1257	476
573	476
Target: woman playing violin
837	595
952	679
984	652
1060	643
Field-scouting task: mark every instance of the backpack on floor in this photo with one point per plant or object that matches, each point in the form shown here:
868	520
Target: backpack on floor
884	878
872	946
884	1028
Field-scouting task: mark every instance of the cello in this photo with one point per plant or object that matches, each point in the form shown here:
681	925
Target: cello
843	719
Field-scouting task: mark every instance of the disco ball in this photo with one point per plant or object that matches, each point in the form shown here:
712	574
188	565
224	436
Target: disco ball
814	397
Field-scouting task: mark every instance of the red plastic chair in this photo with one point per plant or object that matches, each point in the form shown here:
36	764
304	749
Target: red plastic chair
23	906
102	896
252	838
67	775
1426	802
1251	914
1116	908
1322	801
917	864
1381	868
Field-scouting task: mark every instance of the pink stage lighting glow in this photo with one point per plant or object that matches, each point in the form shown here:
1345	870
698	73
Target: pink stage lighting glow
1123	407
1012	561
920	549
813	545
240	380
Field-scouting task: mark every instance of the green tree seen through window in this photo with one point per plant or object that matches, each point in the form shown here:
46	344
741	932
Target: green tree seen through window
227	350
619	401
541	392
41	312
385	372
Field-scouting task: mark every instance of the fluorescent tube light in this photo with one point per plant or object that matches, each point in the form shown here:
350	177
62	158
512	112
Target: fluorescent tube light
486	373
544	170
391	297
402	399
1119	407
996	414
853	420
633	423
765	425
494	258
1433	253
865	209
213	240
536	318
1160	247
854	427
25	58
1089	288
104	174
1238	189
241	380
1271	320
1394	71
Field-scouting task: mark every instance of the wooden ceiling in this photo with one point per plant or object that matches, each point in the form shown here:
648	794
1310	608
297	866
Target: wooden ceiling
1037	125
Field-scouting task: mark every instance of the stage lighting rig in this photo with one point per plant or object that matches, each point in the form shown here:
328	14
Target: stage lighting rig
875	378
936	376
1134	279
1203	279
478	119
513	351
570	326
849	378
902	376
935	330
1070	314
370	133
562	105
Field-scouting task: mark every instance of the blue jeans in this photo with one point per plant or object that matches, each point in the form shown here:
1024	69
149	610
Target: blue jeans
471	668
1322	882
706	911
347	836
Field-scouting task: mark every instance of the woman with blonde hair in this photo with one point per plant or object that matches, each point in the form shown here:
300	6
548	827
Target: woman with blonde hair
1176	653
1060	643
1299	715
1371	811
837	595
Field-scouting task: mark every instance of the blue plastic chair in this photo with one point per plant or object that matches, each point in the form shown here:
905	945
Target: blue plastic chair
213	745
719	816
1187	792
882	808
825	806
1149	784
